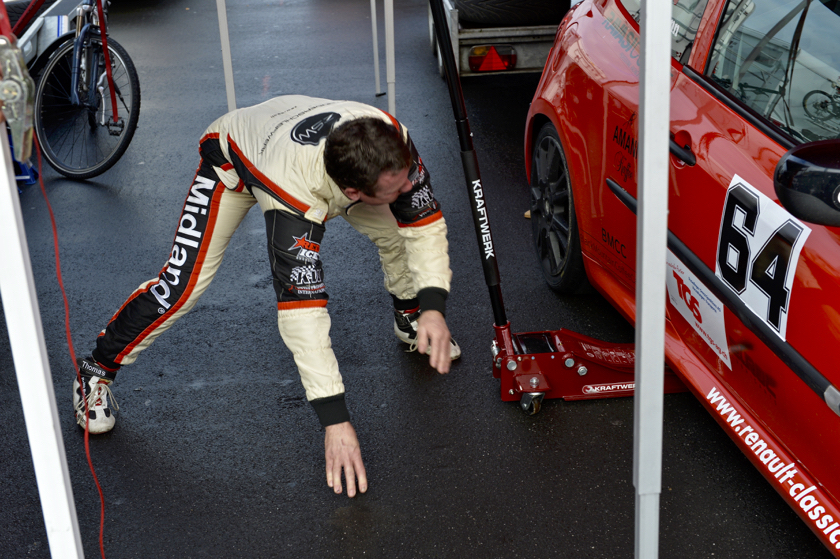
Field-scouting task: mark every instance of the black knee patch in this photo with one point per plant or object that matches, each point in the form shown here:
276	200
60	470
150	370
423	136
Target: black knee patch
294	246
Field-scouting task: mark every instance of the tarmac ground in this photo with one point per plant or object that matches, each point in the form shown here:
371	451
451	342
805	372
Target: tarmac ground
216	452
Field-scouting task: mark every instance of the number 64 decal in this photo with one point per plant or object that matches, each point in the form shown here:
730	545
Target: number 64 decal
758	248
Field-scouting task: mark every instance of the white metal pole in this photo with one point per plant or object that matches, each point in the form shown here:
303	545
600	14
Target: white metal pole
389	57
651	235
29	353
226	59
375	44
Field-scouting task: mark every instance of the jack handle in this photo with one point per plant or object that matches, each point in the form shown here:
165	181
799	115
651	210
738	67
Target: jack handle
469	160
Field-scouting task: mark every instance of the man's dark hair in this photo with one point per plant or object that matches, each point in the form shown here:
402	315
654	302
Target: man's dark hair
358	151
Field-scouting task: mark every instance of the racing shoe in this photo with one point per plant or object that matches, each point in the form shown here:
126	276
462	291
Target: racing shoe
97	390
405	327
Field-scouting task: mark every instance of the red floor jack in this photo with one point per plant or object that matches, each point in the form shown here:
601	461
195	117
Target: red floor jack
533	365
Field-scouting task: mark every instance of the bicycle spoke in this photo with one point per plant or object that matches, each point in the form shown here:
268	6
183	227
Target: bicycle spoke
77	139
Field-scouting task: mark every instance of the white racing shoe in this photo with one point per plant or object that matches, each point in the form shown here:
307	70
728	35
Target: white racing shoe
405	327
97	390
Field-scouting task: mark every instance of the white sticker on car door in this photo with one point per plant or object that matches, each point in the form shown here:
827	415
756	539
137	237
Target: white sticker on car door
700	308
758	249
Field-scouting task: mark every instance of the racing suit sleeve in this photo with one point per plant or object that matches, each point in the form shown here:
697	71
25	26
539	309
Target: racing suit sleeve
294	245
423	229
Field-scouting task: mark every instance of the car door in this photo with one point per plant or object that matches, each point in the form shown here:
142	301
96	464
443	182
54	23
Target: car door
743	98
613	240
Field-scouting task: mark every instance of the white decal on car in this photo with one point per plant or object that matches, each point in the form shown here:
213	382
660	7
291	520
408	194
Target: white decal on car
801	489
758	249
700	308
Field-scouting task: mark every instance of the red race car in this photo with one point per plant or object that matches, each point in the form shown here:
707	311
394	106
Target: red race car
753	281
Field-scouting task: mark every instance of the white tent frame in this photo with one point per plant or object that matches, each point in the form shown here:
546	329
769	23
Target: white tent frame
35	383
652	240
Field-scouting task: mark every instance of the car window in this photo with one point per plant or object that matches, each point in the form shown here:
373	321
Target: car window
632	6
685	18
780	58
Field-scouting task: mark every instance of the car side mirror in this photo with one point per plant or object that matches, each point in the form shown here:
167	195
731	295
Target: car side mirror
807	182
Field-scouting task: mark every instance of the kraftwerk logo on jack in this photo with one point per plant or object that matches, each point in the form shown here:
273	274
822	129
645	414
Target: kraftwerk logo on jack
484	221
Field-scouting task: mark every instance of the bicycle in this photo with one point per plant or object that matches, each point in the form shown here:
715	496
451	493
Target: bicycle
822	106
83	124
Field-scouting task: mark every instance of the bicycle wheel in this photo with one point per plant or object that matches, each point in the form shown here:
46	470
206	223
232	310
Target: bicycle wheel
81	140
819	105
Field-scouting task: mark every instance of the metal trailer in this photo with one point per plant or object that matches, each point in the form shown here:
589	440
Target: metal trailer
494	50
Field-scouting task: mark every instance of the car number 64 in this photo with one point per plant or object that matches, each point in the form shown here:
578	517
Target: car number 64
758	249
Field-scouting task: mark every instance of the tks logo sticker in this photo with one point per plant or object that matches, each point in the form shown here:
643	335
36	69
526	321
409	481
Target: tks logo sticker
698	306
307	250
689	299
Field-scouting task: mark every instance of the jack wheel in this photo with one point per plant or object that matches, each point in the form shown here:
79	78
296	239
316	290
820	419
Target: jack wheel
531	402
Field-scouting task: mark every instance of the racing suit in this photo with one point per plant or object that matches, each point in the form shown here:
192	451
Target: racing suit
272	154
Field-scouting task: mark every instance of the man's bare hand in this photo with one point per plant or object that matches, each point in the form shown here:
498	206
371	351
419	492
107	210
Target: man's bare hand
432	330
342	452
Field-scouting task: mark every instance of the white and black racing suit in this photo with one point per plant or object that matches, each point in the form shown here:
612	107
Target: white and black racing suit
272	154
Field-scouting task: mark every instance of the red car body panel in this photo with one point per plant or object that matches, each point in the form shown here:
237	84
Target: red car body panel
589	92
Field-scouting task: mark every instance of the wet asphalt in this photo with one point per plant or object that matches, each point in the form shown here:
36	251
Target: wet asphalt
216	452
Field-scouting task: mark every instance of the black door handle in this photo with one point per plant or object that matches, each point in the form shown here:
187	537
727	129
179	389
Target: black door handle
684	154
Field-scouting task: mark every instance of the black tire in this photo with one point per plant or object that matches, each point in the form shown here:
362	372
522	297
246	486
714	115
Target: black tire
553	221
819	105
509	13
72	138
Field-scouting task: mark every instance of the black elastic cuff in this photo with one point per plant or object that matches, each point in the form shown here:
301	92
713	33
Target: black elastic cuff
405	304
331	410
89	368
107	363
433	299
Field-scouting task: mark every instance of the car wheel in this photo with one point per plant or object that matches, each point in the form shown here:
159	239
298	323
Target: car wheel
553	221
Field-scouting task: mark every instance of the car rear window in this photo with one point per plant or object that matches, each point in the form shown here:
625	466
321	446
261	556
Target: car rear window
780	58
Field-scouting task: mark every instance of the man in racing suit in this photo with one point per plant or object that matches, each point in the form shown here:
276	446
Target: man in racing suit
304	161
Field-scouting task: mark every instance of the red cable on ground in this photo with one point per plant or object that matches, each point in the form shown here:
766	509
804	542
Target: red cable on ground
72	351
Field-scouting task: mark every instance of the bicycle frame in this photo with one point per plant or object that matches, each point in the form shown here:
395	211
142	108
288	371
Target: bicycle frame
87	21
52	29
47	32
